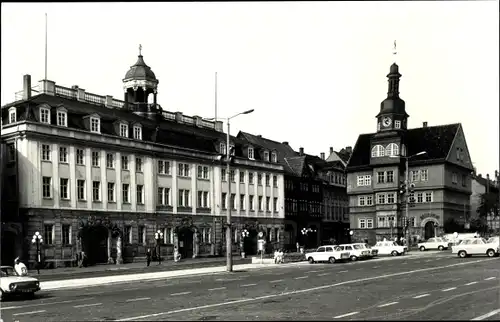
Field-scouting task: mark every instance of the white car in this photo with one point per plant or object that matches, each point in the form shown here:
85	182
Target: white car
357	251
476	246
327	253
11	283
434	243
389	248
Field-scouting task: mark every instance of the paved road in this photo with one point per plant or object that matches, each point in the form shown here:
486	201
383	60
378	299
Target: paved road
402	288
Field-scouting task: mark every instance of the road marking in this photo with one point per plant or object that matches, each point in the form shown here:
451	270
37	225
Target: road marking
420	296
301	277
387	304
471	283
324	274
85	305
244	276
344	315
217	288
317	288
449	289
139	299
343	271
227	279
490	278
32	312
430	260
276	281
40	304
487	315
376	266
181	293
131	289
94	293
316	271
245	285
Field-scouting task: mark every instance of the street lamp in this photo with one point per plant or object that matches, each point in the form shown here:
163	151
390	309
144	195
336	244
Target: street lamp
407	158
37	239
229	235
244	234
159	237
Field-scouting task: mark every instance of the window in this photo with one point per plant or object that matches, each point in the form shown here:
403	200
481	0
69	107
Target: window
361	201
250	177
223	174
260	203
380	198
125	193
232	176
369	223
141	235
362	223
183	198
365	180
80	154
95	158
49	233
140	194
62	119
12	116
138	164
392	150
63	154
95	125
46	187
111	192
414	176
183	170
251	203
203	199
124	162
378	126
382	222
412	222
369	200
164	196
11	153
250	153
203	172
266	156
397	124
458	154
275	181
168	234
96	191
390	198
127	236
464	180
424	175
66	234
45	115
275	204
224	200
268	183
259	179
163	167
268	203
233	201
124	130
242	202
80	189
242	176
381	177
137	132
274	157
390	176
428	197
454	178
63	188
110	160
45	152
378	151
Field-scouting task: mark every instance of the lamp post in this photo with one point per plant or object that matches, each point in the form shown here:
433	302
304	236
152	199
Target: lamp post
37	239
244	234
407	180
229	236
159	237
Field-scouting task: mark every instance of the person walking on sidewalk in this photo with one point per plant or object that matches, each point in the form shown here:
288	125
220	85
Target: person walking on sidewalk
20	268
148	256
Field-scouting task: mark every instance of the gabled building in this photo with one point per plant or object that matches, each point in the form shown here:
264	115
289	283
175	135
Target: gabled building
376	171
480	186
94	173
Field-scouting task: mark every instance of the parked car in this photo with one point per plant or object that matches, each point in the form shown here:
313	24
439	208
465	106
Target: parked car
389	248
373	252
434	243
11	283
357	251
476	246
327	253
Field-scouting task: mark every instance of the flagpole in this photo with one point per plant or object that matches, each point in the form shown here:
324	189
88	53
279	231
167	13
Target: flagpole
215	97
45	46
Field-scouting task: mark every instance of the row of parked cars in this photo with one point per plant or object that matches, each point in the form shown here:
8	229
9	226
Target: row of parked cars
464	246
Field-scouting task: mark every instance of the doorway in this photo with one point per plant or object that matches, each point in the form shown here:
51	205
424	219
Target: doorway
95	244
429	230
186	242
8	244
250	242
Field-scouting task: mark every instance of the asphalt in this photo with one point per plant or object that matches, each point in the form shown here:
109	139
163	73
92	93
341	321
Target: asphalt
437	286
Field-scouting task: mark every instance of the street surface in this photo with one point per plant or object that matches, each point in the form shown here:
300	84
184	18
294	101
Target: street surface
436	286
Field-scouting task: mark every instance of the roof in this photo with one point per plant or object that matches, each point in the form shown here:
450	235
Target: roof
435	140
140	71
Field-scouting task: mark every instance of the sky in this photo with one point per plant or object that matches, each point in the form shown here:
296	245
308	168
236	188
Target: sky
315	72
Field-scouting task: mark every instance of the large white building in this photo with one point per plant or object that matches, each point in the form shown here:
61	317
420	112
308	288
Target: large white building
103	175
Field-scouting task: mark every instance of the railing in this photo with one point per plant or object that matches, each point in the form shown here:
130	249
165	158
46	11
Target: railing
169	115
93	98
66	92
187	120
117	103
207	124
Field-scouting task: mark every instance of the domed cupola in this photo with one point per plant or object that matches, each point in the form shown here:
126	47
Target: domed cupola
140	71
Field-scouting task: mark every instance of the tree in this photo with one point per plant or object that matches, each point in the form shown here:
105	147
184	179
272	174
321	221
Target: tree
488	204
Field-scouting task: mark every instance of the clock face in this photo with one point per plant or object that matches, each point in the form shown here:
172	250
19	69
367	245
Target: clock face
387	121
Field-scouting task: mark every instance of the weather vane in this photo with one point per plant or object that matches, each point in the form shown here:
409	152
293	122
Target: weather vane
394	52
140	48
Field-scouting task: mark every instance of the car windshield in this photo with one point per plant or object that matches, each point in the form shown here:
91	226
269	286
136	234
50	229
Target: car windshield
8	271
493	240
358	246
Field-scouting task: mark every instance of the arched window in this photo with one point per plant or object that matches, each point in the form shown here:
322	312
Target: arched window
378	151
392	149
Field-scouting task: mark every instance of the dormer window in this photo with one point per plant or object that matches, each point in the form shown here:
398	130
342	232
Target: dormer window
95	125
62	117
274	157
137	132
12	115
266	156
124	130
397	124
222	148
251	153
44	115
378	151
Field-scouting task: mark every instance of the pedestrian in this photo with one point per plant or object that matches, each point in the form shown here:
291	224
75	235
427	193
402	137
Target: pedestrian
148	256
20	268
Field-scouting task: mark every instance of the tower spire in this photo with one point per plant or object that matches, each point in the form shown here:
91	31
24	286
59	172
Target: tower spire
394	52
140	49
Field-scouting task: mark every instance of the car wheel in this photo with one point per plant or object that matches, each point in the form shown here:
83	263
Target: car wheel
310	260
422	248
490	253
332	260
462	254
354	258
440	248
394	253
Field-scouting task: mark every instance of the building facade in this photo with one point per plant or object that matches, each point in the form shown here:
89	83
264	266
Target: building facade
438	174
102	175
482	186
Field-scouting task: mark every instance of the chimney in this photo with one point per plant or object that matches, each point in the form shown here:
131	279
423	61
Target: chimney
301	151
424	124
285	143
331	150
178	117
349	149
322	155
218	126
26	87
487	183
